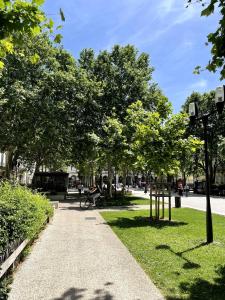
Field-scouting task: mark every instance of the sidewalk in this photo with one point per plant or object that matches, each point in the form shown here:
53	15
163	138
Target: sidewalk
79	257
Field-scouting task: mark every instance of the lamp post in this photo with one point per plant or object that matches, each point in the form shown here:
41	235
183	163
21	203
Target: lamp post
194	116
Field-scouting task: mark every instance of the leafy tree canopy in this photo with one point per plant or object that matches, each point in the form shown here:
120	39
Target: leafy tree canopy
217	38
19	18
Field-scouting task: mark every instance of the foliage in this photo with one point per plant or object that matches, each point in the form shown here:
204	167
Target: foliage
22	214
19	18
174	254
216	39
5	287
125	76
159	142
45	105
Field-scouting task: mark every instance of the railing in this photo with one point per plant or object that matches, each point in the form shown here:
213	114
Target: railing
9	250
14	249
11	259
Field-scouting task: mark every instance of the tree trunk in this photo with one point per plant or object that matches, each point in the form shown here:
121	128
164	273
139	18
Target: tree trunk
212	172
124	181
36	170
184	178
9	163
110	175
93	179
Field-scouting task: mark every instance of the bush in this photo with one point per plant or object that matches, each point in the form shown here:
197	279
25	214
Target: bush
5	287
22	214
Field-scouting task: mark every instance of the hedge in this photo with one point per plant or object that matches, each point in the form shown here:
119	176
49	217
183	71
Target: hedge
22	214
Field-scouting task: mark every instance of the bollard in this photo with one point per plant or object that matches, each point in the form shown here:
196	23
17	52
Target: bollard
177	201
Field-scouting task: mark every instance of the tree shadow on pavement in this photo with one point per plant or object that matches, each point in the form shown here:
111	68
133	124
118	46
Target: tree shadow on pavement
144	221
75	294
71	208
202	289
72	294
101	294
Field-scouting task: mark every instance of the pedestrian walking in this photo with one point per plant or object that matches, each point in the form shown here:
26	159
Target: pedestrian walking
186	189
80	188
180	189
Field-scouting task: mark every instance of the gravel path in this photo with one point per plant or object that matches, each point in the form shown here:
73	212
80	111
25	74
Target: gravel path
79	257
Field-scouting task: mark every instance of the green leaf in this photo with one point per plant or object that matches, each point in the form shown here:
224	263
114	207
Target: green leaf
58	38
36	30
38	2
1	65
2	4
208	10
62	15
51	23
35	58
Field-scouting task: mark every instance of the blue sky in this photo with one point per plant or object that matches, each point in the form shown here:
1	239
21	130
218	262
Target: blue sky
174	36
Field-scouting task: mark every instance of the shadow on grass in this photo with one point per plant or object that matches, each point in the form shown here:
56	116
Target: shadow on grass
142	222
202	289
188	264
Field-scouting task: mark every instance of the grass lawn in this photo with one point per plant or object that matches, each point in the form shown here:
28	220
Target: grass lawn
174	254
129	200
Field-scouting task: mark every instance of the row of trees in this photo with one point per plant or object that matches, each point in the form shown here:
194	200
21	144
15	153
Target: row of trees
98	112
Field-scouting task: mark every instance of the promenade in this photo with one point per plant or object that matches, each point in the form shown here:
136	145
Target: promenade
79	257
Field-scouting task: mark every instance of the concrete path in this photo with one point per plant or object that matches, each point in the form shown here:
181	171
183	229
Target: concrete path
79	257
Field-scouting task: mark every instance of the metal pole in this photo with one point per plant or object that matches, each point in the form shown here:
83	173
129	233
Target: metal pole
150	200
169	188
209	229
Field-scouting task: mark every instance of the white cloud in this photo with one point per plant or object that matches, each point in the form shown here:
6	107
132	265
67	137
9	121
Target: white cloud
169	14
166	6
186	15
129	10
200	84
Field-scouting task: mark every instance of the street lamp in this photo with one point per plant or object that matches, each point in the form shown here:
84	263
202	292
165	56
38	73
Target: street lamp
194	116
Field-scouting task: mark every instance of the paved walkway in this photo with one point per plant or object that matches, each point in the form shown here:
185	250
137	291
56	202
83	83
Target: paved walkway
79	257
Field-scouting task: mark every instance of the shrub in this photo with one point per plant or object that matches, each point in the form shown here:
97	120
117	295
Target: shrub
22	214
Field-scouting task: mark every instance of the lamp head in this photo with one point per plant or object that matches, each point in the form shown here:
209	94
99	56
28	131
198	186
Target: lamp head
192	112
219	98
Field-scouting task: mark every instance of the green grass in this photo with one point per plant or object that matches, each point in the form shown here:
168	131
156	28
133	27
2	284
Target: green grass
128	200
174	254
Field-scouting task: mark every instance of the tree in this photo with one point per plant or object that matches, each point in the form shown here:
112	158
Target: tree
42	104
159	141
217	38
125	77
19	18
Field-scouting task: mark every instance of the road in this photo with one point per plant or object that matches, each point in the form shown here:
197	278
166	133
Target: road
196	201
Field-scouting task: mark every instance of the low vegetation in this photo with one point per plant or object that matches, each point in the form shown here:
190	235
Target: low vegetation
174	254
22	216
